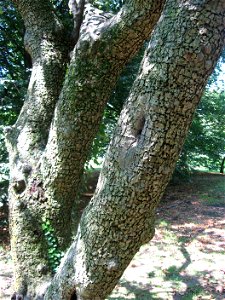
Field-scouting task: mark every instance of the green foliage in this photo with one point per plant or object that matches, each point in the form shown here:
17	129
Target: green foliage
14	74
193	293
213	201
109	5
54	254
214	77
13	58
205	144
172	273
61	9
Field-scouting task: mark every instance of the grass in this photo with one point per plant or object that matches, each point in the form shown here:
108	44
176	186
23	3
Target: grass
213	201
215	195
173	273
192	293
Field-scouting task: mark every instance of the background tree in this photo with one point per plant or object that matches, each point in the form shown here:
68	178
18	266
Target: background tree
47	153
205	142
204	145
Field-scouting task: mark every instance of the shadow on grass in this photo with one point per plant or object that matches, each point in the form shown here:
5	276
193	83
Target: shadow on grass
177	275
163	291
138	292
135	291
175	282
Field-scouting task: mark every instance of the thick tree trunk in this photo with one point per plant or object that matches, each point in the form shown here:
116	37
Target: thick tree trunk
26	141
153	124
50	142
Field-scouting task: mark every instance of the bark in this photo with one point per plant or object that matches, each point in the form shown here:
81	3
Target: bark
46	150
96	63
181	55
27	139
44	40
77	9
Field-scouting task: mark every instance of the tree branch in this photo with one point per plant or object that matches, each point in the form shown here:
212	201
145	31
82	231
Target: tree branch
77	9
105	45
46	43
38	13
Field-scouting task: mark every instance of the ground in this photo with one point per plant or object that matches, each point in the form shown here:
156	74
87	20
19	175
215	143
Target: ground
186	258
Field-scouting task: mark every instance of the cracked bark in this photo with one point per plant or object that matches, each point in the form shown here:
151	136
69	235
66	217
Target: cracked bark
106	43
120	217
77	9
26	141
45	177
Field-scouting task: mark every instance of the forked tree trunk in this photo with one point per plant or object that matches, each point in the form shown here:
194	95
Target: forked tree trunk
51	140
151	130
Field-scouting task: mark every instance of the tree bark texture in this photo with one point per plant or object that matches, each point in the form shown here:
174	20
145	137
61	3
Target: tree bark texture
182	53
26	141
105	45
52	137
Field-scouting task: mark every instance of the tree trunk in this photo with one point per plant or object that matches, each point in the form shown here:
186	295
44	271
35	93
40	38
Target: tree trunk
222	166
51	140
25	142
182	53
